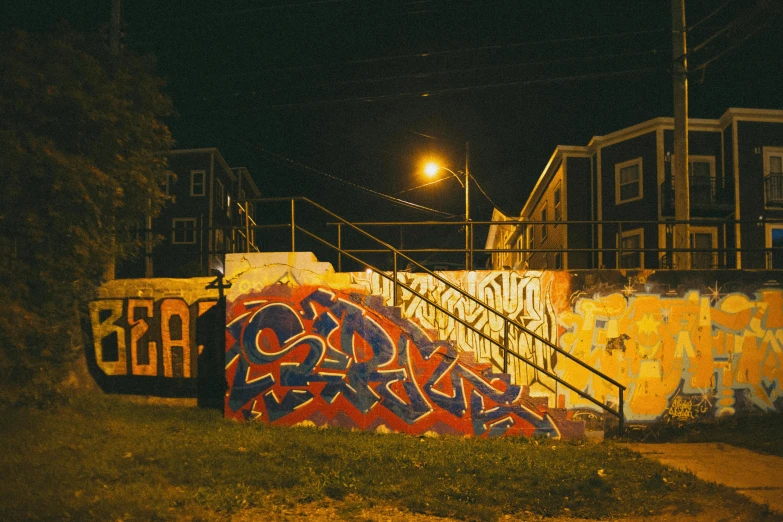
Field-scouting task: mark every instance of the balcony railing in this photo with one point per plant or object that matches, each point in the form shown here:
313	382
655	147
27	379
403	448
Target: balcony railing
773	189
705	194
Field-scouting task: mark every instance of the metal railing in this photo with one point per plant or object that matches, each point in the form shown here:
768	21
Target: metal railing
773	189
706	192
399	286
722	255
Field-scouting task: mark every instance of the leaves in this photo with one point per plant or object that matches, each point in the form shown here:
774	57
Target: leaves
81	139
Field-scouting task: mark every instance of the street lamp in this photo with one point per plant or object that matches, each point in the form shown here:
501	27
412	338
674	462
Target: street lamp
430	170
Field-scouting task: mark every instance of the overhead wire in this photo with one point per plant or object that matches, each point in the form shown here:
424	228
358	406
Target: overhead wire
730	48
710	15
450	90
392	199
441	53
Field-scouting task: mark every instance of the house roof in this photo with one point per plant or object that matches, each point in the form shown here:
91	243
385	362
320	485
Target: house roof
695	124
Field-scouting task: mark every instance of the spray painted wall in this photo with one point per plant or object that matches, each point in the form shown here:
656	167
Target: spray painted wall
688	345
156	337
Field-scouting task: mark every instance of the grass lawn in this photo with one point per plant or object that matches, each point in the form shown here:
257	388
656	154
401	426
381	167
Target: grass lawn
106	458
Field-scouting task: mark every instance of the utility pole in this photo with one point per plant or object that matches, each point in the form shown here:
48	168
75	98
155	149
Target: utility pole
682	204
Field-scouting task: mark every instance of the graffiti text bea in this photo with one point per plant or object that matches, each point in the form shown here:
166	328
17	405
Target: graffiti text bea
144	337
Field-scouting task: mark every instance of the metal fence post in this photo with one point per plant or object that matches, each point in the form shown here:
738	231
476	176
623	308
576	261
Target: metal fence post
293	227
470	247
339	247
505	345
396	286
247	227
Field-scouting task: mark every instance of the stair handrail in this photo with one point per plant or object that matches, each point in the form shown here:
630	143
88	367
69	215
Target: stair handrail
507	321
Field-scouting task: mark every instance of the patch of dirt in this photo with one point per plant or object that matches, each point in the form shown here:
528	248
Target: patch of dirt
329	510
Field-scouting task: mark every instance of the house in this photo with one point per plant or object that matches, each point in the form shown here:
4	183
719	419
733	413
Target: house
207	216
617	196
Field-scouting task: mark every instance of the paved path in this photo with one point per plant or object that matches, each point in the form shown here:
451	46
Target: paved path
755	475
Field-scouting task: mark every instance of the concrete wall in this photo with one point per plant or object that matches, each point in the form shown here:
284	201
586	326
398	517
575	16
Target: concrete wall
687	345
307	345
157	337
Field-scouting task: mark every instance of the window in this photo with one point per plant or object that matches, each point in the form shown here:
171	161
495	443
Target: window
773	177
558	260
775	246
530	242
543	225
183	231
704	240
628	181
701	180
558	207
520	244
228	205
631	245
220	193
197	185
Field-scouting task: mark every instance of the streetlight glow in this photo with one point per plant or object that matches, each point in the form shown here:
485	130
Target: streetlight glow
430	169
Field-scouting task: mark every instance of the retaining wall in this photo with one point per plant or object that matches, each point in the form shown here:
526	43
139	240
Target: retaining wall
307	345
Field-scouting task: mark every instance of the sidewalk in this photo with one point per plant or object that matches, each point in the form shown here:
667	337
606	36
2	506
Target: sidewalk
755	475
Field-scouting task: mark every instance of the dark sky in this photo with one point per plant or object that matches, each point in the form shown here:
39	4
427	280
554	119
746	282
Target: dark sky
362	90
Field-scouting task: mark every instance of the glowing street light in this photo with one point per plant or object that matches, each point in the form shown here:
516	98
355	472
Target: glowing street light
433	168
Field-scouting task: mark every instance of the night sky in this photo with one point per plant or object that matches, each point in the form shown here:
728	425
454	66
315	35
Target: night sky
362	90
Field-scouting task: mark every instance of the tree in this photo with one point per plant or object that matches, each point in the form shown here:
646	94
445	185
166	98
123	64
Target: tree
81	153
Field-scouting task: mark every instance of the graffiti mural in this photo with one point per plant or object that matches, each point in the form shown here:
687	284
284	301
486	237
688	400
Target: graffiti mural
312	355
685	357
527	297
303	344
135	340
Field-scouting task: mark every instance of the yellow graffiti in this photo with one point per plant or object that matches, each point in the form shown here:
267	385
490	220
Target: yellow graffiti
689	342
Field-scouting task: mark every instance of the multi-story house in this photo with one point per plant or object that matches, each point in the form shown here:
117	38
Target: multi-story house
207	216
617	195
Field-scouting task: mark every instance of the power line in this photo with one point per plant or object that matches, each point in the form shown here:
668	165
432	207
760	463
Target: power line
490	68
418	76
485	194
422	185
450	90
713	13
387	197
719	55
441	53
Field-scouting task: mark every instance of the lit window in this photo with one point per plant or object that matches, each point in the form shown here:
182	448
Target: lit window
775	246
628	181
197	186
183	231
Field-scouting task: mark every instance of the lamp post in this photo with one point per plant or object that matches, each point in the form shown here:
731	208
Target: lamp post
431	169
